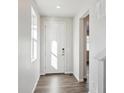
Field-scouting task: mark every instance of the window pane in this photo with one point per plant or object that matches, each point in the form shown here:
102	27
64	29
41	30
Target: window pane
34	26
32	49
32	34
35	20
35	34
35	50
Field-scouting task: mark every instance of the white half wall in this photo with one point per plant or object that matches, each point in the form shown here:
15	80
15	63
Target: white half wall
97	42
69	42
28	73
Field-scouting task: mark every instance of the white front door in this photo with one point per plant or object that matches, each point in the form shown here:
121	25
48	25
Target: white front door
55	47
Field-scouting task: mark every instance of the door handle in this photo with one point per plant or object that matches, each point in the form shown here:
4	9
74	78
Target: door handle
63	51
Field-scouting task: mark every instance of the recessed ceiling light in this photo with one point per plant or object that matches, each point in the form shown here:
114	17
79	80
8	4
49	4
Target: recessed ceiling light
58	6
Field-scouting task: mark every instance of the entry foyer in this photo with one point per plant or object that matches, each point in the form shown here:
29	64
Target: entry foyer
56	55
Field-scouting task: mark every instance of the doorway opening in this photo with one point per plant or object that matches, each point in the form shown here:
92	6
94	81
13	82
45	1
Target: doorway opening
84	44
86	50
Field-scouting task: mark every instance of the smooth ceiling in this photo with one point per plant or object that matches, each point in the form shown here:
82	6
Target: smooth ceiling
69	8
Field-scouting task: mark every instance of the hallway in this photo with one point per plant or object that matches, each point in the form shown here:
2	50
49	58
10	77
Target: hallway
60	84
52	40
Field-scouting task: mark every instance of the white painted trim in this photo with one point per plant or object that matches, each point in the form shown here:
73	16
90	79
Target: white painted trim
81	80
68	72
35	84
76	77
43	74
84	14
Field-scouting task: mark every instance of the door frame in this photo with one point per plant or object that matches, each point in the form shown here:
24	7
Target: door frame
55	22
82	41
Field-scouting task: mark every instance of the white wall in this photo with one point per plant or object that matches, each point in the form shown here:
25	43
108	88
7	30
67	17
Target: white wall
28	72
69	45
97	40
76	48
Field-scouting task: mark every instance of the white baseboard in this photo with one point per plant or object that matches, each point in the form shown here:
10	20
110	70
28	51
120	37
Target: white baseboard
42	74
81	80
68	72
35	84
64	73
76	77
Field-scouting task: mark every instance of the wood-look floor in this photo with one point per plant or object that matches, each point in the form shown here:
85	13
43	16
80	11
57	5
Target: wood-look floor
60	84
